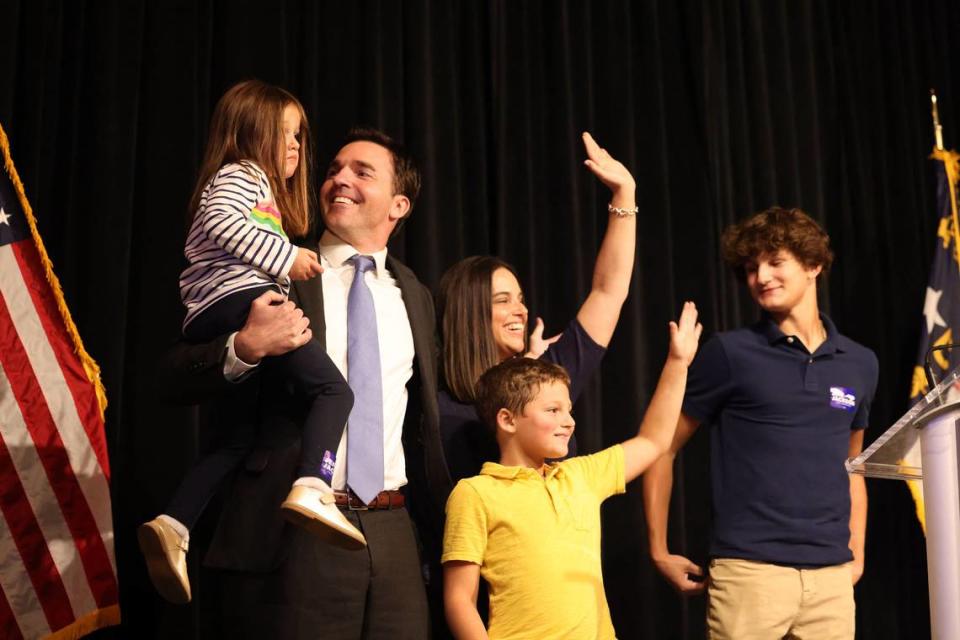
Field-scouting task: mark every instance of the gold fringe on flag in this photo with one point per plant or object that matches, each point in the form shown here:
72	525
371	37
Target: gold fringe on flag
951	164
916	490
89	365
106	617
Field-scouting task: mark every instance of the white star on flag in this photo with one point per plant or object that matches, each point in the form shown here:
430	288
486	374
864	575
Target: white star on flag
4	216
930	311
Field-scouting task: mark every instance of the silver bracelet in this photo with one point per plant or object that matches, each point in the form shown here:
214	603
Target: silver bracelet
621	212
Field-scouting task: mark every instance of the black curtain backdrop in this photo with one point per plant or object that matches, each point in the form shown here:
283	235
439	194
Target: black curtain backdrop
720	108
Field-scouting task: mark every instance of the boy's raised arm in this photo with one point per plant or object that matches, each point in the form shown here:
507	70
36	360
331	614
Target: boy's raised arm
460	584
660	419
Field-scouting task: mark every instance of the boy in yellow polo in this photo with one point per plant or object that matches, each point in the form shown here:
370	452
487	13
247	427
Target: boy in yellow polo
532	529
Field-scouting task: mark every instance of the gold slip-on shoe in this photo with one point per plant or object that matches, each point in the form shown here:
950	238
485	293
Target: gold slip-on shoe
315	511
166	555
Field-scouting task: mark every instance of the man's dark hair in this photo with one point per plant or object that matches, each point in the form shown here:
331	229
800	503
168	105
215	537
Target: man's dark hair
406	174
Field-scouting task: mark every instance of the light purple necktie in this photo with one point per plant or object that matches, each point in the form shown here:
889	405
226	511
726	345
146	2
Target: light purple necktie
365	425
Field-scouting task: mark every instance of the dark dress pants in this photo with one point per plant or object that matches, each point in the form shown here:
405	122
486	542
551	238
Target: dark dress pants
321	591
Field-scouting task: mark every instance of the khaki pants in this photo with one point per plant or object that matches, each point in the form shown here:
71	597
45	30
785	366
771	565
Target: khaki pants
754	600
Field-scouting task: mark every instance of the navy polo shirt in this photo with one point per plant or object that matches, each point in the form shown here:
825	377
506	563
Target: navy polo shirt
781	420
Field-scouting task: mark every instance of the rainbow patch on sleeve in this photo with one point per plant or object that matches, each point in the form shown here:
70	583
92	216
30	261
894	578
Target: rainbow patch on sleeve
267	216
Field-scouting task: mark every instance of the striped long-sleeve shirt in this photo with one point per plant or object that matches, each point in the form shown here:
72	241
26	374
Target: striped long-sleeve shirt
236	241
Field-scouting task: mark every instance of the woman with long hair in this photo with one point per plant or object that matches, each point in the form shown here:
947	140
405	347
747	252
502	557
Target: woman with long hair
483	321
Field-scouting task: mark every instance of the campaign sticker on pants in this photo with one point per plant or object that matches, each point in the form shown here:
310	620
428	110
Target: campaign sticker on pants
327	466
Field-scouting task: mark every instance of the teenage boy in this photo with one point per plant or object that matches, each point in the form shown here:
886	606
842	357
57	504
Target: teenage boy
532	529
789	399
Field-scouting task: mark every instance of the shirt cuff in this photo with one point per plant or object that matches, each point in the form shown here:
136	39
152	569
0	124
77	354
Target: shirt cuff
235	369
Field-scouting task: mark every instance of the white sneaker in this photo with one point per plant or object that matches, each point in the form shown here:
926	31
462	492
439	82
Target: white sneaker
315	511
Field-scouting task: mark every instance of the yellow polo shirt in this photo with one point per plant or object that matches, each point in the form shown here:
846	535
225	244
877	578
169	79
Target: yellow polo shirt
537	541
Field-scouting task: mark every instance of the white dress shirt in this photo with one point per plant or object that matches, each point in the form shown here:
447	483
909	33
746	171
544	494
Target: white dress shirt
396	348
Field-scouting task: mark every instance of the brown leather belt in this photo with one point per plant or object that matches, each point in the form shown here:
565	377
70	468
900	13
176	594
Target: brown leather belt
384	500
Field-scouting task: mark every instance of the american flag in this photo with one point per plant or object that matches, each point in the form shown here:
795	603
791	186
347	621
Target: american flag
58	574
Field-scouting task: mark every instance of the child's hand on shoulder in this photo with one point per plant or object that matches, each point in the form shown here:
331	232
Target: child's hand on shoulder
685	334
305	265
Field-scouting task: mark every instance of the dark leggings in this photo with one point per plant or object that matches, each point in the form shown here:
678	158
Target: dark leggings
311	372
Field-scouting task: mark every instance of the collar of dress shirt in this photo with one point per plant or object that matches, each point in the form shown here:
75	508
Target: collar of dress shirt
337	252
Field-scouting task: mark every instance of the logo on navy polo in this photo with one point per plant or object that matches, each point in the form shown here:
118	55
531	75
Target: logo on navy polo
842	398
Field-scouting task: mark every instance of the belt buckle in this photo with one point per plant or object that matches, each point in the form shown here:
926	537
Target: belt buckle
351	496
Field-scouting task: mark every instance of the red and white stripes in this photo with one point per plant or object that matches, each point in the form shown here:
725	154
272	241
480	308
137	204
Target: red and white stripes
57	563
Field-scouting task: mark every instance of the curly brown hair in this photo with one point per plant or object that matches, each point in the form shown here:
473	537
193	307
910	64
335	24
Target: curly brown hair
770	231
512	384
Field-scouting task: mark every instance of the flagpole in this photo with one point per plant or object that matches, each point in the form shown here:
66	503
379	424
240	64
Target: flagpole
950	167
937	129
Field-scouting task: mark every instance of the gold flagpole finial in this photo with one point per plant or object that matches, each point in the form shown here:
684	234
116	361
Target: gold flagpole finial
937	129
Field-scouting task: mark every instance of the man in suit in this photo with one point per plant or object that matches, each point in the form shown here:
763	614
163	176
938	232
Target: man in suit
279	581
